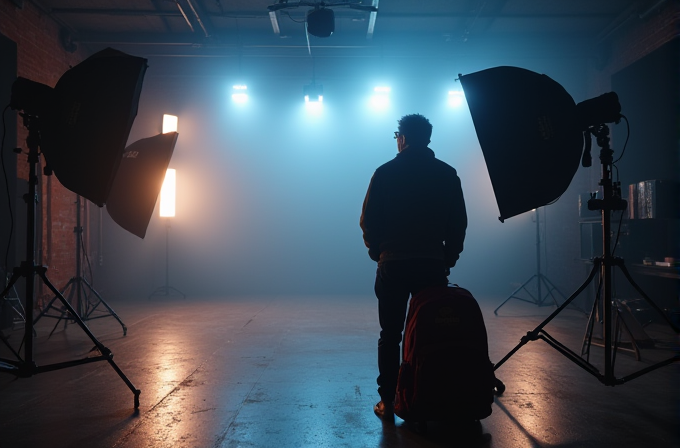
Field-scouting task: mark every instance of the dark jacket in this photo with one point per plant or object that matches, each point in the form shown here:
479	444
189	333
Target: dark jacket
414	208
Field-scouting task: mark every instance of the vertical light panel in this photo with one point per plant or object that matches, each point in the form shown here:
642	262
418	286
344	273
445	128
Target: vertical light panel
169	123
168	194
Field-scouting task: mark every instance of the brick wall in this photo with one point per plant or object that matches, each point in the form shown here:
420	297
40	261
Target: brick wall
42	58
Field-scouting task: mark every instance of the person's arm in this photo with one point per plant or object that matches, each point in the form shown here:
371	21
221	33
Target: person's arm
456	222
370	219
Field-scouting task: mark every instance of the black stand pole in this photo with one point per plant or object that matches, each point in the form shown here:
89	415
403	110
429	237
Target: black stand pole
166	290
84	303
26	366
541	280
603	265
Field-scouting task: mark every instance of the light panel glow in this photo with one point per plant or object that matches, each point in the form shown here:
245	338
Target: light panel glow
314	107
456	98
169	123
167	208
240	93
381	97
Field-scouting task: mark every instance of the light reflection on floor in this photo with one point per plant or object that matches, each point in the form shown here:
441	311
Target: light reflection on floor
300	372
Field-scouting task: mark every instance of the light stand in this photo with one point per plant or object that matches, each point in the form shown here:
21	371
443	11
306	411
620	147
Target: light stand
26	366
84	302
167	211
167	290
541	280
604	265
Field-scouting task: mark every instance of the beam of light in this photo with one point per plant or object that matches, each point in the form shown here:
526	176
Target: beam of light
169	123
167	209
240	93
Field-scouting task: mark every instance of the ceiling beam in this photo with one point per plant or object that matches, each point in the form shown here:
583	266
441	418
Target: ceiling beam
371	20
341	14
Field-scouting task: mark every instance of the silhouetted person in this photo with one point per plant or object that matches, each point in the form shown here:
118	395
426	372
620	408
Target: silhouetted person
413	221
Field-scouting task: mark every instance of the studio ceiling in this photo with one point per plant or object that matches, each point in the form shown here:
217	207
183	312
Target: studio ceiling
209	28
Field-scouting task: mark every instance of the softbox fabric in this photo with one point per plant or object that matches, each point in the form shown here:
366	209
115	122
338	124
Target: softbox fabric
93	108
528	130
140	176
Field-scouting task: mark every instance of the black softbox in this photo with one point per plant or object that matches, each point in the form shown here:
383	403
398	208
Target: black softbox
139	180
86	119
529	132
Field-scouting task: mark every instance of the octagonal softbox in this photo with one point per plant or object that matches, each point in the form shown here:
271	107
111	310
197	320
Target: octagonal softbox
529	133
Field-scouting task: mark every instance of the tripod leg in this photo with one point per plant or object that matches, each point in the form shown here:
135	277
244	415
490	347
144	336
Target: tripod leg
533	335
50	306
588	337
512	296
549	288
623	268
106	305
106	353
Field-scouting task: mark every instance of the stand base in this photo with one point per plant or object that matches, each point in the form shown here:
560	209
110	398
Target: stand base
539	299
85	307
26	367
167	291
608	378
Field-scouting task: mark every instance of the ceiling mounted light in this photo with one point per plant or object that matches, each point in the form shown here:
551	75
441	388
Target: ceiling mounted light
456	98
381	97
320	22
239	93
313	93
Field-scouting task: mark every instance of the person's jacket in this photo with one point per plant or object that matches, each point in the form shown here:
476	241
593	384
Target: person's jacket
414	208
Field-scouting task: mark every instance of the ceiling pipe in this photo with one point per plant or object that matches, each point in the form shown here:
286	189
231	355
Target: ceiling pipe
184	15
371	20
198	17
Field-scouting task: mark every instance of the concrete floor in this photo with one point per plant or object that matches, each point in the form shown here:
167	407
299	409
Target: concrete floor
300	372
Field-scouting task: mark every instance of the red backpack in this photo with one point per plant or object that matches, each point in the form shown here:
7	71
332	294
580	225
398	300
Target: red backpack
445	371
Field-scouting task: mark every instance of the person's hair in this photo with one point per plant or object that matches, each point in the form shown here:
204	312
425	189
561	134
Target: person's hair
416	128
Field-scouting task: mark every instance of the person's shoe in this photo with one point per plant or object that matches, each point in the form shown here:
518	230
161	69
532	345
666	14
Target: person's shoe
384	410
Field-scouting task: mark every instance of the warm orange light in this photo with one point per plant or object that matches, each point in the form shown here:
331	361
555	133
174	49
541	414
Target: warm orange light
169	123
168	194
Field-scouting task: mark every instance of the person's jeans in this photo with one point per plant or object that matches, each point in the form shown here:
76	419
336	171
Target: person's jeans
395	282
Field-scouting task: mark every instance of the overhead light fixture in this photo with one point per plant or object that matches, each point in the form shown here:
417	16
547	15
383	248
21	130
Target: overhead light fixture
320	22
531	133
239	93
456	98
381	97
313	93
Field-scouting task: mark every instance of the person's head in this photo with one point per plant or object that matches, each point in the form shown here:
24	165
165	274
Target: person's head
413	130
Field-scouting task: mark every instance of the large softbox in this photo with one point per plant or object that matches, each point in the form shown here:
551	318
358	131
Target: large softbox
140	177
529	132
85	120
